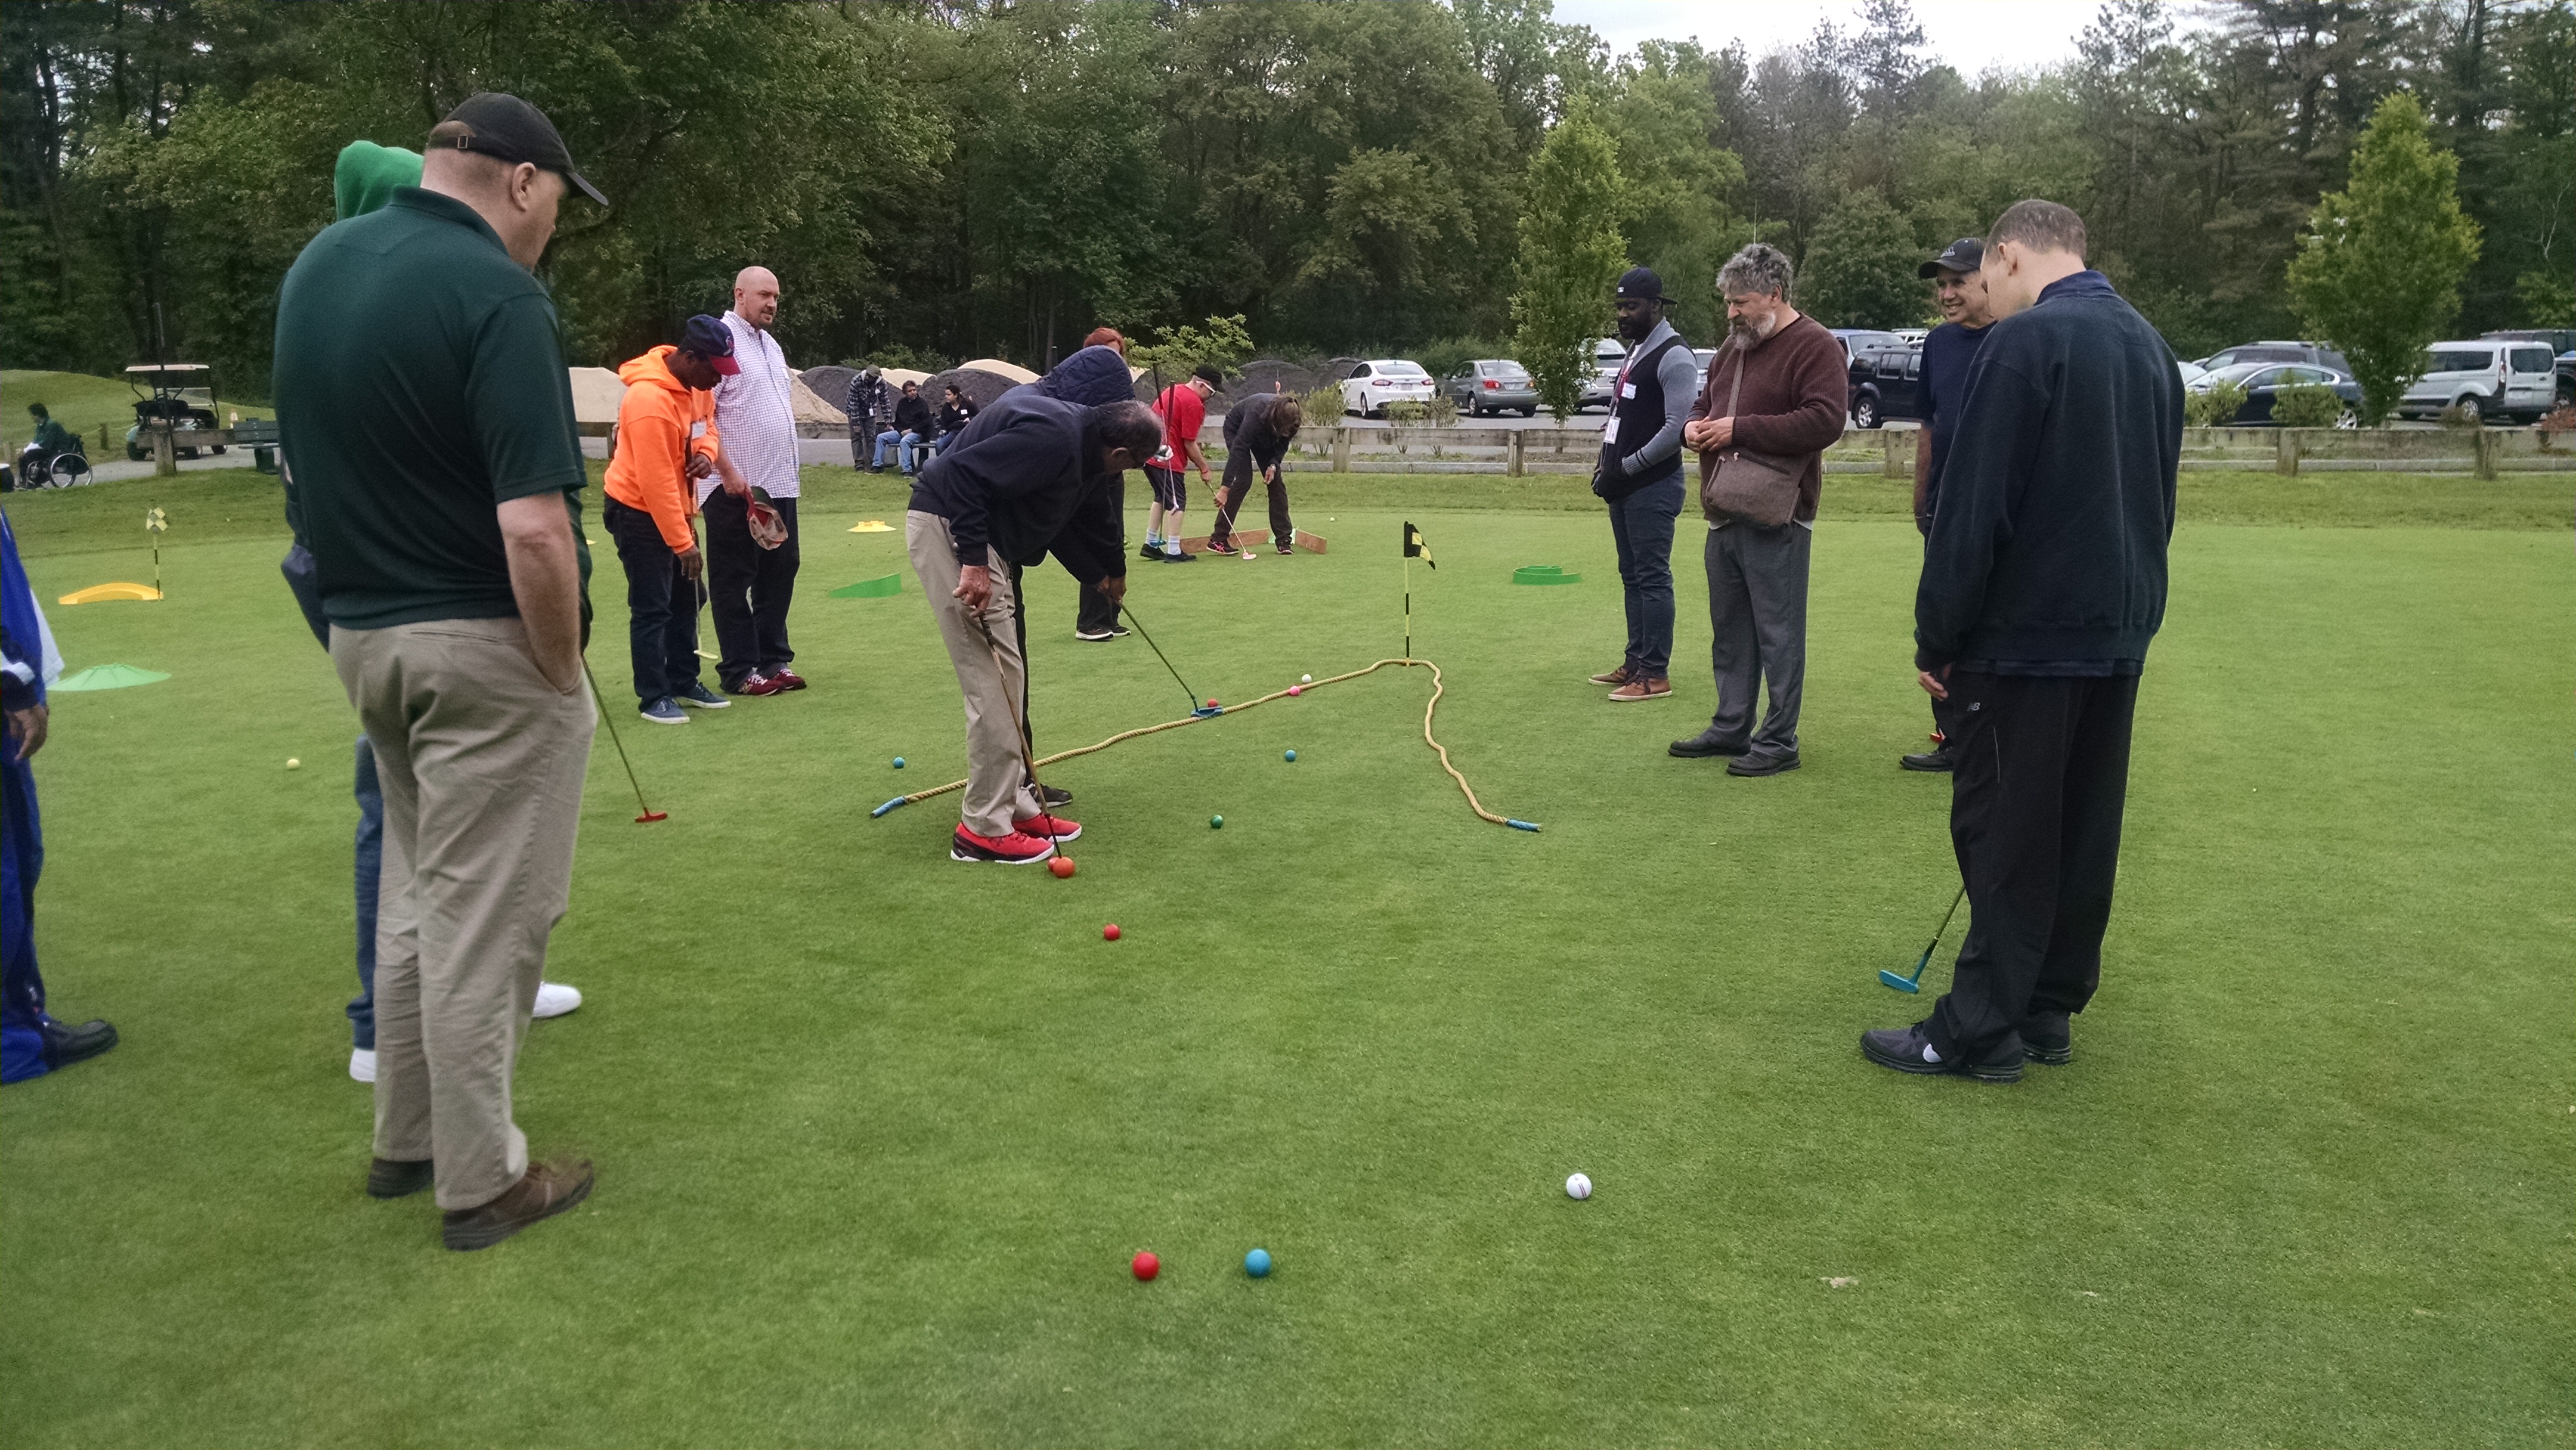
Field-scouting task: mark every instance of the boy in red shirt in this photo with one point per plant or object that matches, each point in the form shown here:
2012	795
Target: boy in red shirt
1183	407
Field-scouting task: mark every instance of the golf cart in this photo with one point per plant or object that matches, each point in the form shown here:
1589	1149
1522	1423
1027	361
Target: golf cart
183	393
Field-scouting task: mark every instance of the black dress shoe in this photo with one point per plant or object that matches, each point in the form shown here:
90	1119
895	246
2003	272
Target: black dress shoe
1909	1049
67	1045
1935	760
2048	1037
1705	744
1761	764
396	1178
1050	797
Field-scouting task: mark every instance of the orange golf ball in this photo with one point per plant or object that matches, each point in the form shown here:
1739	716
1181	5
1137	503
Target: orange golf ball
1061	865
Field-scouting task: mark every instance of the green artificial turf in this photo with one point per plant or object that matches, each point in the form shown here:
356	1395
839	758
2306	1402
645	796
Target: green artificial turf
877	1132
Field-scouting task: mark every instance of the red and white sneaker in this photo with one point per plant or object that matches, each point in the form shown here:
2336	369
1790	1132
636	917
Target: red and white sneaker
787	679
755	683
1048	828
1015	849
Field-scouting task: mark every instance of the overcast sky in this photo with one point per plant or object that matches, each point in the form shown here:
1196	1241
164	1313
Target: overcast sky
1971	35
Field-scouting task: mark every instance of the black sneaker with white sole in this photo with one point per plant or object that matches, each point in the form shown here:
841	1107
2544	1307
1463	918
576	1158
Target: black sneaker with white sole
1910	1049
699	695
2048	1037
1096	636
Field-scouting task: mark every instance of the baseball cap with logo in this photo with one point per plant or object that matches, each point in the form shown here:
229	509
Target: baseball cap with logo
1963	256
711	340
506	128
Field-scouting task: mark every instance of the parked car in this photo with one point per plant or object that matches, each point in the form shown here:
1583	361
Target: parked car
1701	357
1886	379
1855	339
2484	380
2315	353
1374	384
2263	382
1493	385
2558	339
2567	379
1609	355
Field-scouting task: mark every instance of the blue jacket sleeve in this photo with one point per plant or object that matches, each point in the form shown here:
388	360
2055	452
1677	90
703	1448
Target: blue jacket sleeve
1988	464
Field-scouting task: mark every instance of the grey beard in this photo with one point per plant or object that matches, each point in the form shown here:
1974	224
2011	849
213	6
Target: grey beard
1747	330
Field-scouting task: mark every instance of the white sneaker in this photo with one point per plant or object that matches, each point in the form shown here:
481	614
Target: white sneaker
554	999
362	1063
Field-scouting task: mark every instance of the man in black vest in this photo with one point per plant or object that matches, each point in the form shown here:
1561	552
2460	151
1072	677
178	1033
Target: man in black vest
1640	477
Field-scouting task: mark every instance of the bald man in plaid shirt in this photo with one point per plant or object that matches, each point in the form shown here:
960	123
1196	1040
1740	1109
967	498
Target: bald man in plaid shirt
756	414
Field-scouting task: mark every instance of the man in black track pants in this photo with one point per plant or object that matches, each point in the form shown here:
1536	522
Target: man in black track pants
1258	431
2043	582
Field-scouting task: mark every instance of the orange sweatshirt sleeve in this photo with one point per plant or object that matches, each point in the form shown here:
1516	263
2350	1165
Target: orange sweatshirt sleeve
649	470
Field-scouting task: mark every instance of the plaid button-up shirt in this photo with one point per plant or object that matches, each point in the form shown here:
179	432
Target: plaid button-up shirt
756	414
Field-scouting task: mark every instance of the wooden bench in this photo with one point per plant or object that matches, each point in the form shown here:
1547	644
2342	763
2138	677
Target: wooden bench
261	437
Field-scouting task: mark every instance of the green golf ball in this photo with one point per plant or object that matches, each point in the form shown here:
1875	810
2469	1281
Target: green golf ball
1216	823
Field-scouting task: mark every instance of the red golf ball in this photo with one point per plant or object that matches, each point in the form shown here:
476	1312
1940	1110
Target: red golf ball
1109	932
1211	702
1061	865
1146	1265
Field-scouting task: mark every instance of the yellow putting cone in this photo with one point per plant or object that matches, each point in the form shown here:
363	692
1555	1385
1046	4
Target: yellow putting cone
99	593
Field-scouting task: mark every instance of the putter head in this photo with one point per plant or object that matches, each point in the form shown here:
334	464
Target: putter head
1887	978
649	817
1207	712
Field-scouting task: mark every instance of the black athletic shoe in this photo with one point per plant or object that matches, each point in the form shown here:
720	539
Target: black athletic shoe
1176	558
65	1045
1761	764
1148	552
1933	760
1705	744
1050	797
1095	636
2048	1037
1909	1049
392	1178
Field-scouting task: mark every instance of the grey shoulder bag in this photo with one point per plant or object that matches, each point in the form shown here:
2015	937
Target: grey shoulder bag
1760	489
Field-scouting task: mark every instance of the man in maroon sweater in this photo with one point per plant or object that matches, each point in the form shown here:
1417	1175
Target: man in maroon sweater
1794	390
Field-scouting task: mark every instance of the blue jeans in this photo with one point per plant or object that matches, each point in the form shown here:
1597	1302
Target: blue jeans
1641	524
904	445
371	865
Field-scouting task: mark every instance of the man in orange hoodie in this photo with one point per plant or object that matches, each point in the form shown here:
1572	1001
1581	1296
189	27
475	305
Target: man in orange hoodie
666	436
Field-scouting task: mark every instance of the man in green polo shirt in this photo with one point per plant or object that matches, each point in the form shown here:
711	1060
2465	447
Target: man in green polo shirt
427	417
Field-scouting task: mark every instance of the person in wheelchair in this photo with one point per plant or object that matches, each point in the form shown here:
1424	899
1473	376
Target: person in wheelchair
55	454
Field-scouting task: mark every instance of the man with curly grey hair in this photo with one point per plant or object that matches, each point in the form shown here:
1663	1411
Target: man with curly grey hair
1777	389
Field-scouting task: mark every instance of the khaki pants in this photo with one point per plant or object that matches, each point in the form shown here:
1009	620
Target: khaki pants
997	780
481	762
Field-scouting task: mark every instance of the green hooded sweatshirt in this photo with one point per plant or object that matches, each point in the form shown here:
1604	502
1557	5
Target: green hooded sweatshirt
367	175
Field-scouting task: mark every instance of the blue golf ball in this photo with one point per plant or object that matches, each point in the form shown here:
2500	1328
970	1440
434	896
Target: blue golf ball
1257	1263
1292	755
898	762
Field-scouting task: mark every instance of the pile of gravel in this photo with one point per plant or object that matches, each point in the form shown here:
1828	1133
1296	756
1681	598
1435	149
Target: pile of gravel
979	386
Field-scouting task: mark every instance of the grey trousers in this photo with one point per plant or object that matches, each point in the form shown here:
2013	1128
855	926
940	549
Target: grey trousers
989	673
481	763
1757	620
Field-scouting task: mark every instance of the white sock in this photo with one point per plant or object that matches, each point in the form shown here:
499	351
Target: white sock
1153	540
1931	1053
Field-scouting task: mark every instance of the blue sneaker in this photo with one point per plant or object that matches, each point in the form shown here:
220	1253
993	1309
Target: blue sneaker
699	695
664	711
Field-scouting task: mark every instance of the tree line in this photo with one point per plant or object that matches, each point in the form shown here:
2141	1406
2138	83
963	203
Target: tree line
941	179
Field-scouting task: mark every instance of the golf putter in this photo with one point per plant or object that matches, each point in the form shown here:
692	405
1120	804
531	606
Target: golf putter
1914	983
649	815
1197	710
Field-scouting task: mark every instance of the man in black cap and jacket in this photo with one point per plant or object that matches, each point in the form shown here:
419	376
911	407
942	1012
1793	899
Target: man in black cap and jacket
1028	477
1640	476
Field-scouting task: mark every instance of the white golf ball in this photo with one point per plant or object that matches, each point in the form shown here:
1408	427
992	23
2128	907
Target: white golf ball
1578	1186
1305	679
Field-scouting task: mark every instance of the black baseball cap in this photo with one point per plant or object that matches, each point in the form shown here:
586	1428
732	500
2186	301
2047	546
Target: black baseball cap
1966	254
1207	373
1641	282
711	340
506	128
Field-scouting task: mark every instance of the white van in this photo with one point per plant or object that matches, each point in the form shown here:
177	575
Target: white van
2485	380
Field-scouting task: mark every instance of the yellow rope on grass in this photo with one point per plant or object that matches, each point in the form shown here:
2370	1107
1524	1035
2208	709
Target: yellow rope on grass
1438	688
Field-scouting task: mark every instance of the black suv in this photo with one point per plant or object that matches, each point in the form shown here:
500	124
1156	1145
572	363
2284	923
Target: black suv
1886	378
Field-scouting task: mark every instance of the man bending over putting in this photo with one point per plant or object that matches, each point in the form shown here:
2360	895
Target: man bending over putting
1027	478
2043	581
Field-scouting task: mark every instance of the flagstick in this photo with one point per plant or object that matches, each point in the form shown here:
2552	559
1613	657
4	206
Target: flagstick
1408	606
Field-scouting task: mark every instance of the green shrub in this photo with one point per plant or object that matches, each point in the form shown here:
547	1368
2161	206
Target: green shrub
1323	406
2214	408
2456	416
2307	405
1407	411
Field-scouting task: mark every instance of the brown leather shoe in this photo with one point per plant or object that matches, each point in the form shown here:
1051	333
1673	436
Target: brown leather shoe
1618	676
549	1189
1641	688
394	1178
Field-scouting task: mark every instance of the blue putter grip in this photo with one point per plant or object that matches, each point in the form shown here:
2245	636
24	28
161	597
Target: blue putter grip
889	805
1522	825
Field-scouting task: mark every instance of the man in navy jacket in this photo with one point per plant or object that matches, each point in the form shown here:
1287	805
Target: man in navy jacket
2043	582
